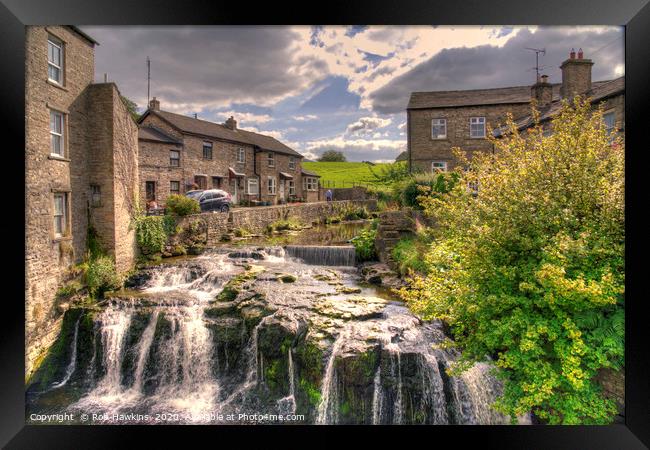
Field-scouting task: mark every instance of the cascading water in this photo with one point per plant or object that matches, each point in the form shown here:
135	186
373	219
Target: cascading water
303	346
73	359
323	255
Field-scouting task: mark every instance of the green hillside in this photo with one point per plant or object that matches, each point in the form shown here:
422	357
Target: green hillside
344	174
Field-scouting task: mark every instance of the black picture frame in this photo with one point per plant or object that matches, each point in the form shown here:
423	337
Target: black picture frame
634	15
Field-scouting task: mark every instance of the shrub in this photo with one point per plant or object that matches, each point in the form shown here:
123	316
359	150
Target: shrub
169	225
150	234
180	205
284	224
529	267
410	191
364	243
68	289
409	255
332	156
100	276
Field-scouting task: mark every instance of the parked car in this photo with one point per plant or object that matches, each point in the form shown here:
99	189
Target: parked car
214	200
195	194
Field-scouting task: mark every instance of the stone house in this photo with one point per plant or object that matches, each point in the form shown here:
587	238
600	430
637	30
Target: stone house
179	153
441	120
80	170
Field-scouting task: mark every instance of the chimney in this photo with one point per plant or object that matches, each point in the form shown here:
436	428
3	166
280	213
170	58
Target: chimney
542	91
231	123
154	104
576	75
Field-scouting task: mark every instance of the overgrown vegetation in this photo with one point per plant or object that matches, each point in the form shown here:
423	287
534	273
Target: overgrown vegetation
529	267
100	276
180	205
409	254
364	243
348	212
332	156
409	191
290	223
150	234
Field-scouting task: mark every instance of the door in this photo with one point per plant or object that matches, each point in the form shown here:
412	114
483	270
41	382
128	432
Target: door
201	182
234	188
151	190
282	182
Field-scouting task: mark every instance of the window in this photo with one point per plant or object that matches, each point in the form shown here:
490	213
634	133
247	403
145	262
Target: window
60	214
439	128
439	166
292	162
253	186
174	158
207	150
241	155
57	138
477	127
95	195
175	187
216	182
150	189
201	181
310	183
271	186
609	118
292	187
55	60
270	158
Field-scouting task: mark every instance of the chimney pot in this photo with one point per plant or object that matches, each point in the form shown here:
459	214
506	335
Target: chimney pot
572	55
231	123
580	54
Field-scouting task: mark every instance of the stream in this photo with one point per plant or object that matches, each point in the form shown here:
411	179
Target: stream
249	334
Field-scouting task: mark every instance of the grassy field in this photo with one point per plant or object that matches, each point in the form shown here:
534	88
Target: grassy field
344	174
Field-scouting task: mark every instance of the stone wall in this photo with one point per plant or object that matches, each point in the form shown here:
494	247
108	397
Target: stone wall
353	193
424	149
256	219
393	226
47	257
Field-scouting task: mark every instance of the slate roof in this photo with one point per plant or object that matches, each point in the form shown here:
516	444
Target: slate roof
477	97
150	133
309	173
201	127
600	90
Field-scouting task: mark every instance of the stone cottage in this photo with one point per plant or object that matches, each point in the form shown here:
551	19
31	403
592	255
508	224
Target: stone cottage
80	170
441	120
179	153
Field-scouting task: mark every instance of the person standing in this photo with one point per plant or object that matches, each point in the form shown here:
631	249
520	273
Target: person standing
328	195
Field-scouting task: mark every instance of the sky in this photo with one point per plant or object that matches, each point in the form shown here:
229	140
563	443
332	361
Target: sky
344	88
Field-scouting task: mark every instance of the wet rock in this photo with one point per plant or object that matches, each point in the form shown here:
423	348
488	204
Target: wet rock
352	308
287	278
257	255
381	274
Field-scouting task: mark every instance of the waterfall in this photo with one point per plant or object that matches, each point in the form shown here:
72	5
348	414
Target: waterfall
328	408
377	398
144	348
433	395
73	358
115	321
323	255
398	412
287	405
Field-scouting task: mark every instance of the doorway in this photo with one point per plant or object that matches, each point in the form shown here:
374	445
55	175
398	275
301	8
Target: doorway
234	190
150	188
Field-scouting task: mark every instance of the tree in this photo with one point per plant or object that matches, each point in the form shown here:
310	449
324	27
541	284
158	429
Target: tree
132	107
332	156
528	265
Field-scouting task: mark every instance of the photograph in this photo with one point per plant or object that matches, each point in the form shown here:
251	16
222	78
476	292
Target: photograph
323	225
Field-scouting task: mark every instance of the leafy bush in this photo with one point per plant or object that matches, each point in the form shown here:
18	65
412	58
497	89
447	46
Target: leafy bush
284	224
332	156
180	205
69	289
409	255
150	234
410	191
169	225
390	173
529	268
100	276
364	243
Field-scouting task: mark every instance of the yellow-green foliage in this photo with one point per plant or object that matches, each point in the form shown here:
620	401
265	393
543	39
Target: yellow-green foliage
180	205
530	268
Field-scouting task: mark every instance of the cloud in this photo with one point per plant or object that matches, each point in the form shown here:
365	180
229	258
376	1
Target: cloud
205	67
355	149
242	117
305	118
367	124
489	66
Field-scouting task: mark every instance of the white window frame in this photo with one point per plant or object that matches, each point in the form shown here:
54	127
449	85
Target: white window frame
64	215
271	187
58	44
292	162
254	182
270	159
310	183
178	152
613	128
440	122
241	155
292	187
441	169
60	135
479	120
